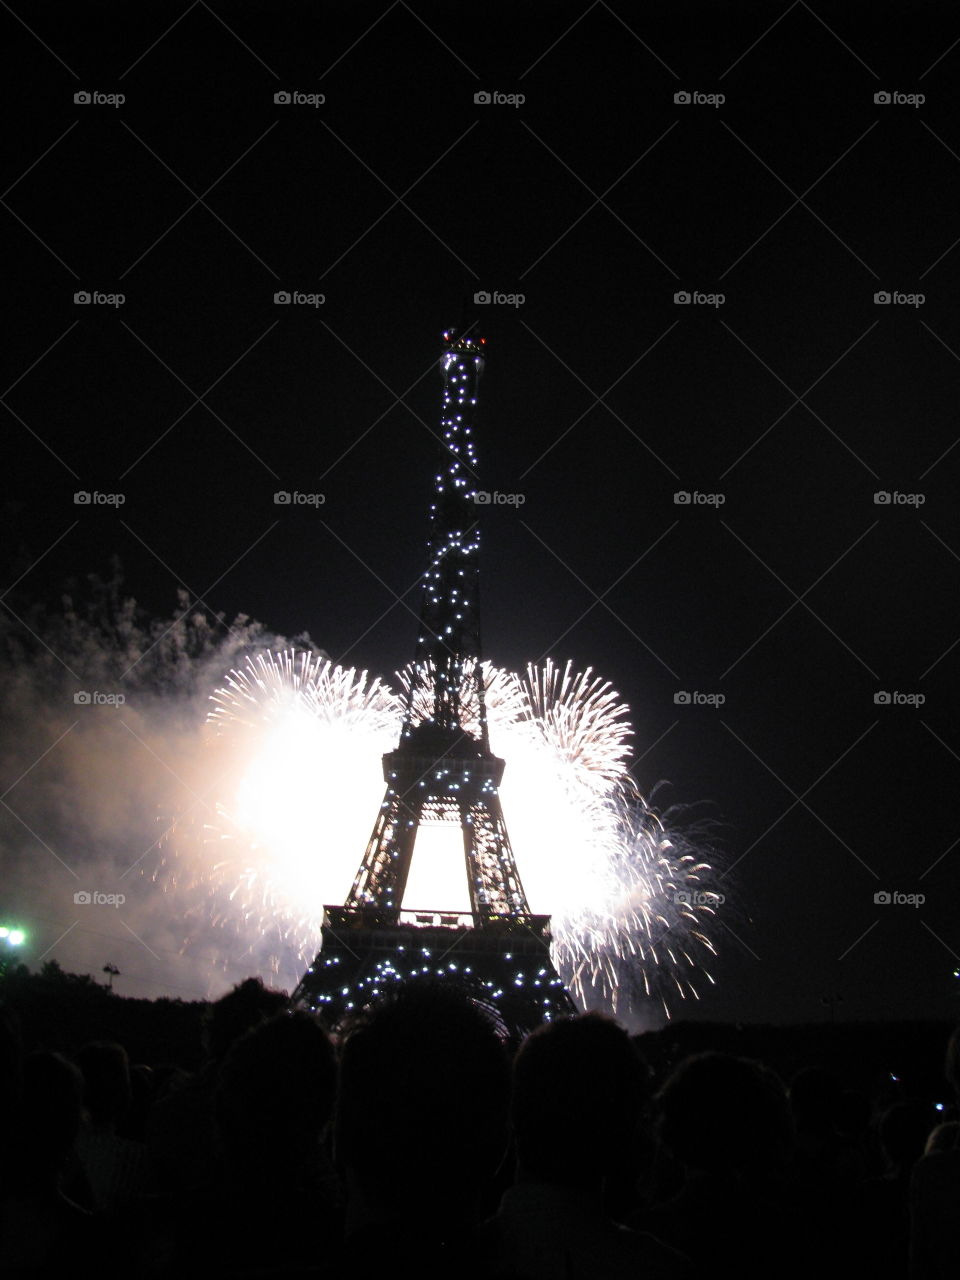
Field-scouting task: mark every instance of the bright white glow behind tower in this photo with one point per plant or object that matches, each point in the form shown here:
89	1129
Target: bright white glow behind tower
438	872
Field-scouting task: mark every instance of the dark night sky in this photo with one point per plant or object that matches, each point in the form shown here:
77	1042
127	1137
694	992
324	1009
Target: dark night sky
599	197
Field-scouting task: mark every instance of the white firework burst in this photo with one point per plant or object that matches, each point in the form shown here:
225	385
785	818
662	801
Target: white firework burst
298	742
583	720
644	936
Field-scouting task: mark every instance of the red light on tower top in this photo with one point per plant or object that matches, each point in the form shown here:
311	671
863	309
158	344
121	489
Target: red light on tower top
462	342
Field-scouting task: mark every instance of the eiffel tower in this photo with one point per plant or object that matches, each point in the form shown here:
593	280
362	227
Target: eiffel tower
443	770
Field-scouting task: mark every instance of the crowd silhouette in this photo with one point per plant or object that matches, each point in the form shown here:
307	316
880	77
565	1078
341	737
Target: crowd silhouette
423	1141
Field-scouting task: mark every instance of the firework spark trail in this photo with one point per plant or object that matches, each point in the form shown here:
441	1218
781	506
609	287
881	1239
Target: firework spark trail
302	739
503	695
583	718
276	682
645	937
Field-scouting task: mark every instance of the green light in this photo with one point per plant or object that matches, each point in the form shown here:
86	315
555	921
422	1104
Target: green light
16	936
4	931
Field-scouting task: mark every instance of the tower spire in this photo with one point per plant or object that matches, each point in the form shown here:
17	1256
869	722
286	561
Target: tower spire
443	768
447	659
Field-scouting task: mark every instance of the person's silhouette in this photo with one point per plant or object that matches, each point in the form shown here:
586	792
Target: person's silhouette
42	1231
578	1091
420	1128
727	1121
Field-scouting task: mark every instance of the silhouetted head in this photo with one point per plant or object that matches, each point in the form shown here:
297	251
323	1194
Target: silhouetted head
276	1091
106	1081
248	1004
143	1092
945	1137
578	1090
422	1111
815	1095
11	1083
853	1114
50	1116
904	1129
952	1067
11	1051
725	1114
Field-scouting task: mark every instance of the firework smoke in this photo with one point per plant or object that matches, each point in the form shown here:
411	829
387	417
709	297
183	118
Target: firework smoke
228	821
89	785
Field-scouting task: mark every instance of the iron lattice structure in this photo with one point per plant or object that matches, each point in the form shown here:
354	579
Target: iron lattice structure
443	770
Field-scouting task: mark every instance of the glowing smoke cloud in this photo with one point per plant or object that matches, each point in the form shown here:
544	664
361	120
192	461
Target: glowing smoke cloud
90	785
299	740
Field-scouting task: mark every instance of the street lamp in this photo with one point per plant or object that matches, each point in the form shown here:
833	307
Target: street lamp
10	939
